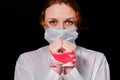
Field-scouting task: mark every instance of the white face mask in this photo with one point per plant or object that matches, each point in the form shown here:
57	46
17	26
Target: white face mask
67	34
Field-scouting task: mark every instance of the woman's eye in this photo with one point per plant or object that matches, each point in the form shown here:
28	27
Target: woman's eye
69	22
53	23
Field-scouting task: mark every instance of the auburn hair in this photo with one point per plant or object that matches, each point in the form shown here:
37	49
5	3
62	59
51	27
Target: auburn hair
70	3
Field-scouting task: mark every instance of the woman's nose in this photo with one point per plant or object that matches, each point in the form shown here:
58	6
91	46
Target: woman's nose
61	26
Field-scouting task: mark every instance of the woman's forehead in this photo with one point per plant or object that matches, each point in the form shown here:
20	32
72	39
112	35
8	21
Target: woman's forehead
59	10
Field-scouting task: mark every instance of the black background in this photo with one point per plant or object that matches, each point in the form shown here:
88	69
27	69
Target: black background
21	31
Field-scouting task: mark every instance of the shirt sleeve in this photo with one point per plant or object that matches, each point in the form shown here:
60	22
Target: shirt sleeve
101	69
22	72
74	75
103	73
52	75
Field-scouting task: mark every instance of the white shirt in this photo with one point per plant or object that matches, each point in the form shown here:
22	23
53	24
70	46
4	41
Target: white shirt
35	65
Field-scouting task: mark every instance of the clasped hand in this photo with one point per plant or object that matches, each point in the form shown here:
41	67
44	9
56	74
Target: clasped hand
65	45
62	46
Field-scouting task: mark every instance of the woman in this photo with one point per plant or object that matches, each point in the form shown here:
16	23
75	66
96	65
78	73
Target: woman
62	58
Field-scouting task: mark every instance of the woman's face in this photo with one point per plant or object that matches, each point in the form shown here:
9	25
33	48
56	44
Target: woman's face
60	16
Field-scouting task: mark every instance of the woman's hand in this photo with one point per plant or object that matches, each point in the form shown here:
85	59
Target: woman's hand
58	70
64	45
68	46
55	46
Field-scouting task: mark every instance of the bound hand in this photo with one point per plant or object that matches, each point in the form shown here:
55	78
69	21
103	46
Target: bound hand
64	47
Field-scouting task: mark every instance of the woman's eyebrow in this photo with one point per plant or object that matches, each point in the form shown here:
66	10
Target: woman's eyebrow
52	19
71	18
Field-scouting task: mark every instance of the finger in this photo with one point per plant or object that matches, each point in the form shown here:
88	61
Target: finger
69	46
69	43
56	69
55	46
